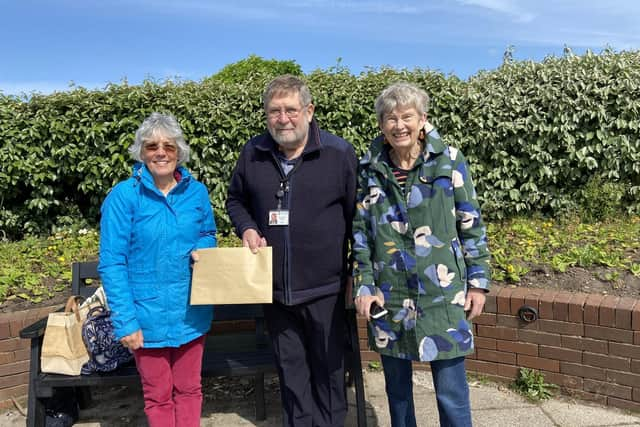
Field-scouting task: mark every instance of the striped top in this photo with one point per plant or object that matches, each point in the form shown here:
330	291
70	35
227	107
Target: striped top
401	176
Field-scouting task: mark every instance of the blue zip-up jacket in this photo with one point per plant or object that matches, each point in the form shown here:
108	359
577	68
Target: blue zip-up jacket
146	240
310	254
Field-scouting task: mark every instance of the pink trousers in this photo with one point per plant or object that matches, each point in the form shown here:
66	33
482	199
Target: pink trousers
171	384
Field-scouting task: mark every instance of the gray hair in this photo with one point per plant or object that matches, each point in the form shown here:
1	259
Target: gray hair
165	125
287	84
401	94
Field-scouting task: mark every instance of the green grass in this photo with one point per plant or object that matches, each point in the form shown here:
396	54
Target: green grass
36	268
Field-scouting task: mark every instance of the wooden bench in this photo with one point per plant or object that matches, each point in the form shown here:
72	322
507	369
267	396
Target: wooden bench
239	353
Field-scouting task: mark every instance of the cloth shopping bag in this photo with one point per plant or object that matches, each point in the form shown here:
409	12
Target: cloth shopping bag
97	299
63	351
232	276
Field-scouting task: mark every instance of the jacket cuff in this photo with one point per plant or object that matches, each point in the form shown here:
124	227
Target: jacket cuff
244	227
366	291
130	328
478	283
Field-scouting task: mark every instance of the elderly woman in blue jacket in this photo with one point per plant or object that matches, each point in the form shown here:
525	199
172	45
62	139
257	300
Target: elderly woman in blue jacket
151	225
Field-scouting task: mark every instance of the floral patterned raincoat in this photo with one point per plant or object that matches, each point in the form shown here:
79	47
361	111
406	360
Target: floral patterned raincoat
420	249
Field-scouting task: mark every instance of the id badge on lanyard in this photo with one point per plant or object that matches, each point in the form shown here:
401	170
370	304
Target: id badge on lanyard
279	217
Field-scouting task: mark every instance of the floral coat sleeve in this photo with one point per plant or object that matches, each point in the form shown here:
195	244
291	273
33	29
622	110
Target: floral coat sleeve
420	249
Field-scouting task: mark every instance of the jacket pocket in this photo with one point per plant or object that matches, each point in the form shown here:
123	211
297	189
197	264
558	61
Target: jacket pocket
144	293
192	215
149	312
461	266
190	222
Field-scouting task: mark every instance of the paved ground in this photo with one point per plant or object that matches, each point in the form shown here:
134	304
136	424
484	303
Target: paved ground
229	402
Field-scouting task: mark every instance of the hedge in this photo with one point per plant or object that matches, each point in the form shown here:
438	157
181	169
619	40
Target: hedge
555	136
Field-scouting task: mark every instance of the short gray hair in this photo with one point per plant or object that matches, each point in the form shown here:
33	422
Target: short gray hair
401	94
165	125
287	84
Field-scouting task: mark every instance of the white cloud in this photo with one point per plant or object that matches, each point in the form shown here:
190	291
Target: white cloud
505	7
246	10
585	24
284	10
363	6
553	23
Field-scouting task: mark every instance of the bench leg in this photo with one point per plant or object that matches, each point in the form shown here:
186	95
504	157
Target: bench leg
360	401
83	394
39	416
35	407
35	410
355	368
258	387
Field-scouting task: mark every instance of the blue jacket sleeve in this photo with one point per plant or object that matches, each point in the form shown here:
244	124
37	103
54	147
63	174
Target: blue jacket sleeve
115	236
208	231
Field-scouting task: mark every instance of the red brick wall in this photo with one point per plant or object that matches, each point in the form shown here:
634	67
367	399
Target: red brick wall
588	344
14	353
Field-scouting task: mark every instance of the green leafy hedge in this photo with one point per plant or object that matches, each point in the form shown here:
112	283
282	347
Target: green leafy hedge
539	136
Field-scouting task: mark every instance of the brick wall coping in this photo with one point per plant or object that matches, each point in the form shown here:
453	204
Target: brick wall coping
605	311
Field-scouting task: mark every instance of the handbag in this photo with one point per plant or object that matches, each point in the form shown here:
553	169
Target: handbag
106	353
63	351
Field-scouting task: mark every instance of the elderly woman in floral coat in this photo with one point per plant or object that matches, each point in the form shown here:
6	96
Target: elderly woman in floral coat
421	252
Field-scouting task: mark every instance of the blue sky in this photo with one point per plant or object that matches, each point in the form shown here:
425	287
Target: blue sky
47	45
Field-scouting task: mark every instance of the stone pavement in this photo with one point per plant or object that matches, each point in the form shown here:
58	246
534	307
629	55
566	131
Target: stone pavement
229	402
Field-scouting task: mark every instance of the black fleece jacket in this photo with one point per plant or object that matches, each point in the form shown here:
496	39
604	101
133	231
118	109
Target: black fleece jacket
310	254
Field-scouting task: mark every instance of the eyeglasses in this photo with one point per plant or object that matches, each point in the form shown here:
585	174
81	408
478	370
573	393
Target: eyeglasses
291	113
152	147
393	120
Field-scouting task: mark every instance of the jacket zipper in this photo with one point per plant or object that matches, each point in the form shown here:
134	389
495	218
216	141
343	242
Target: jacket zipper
286	288
287	246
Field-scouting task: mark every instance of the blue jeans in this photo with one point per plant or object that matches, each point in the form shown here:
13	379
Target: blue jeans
449	380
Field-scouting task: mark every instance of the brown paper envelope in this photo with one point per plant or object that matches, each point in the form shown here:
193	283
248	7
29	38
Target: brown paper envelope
232	276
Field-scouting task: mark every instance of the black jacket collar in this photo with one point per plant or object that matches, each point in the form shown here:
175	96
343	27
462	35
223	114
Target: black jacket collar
267	143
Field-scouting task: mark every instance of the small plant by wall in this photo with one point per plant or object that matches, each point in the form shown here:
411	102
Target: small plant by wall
532	385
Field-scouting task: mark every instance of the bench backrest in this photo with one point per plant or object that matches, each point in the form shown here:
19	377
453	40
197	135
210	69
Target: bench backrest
85	280
84	276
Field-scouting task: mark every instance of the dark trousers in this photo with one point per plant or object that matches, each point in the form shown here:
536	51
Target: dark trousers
308	340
